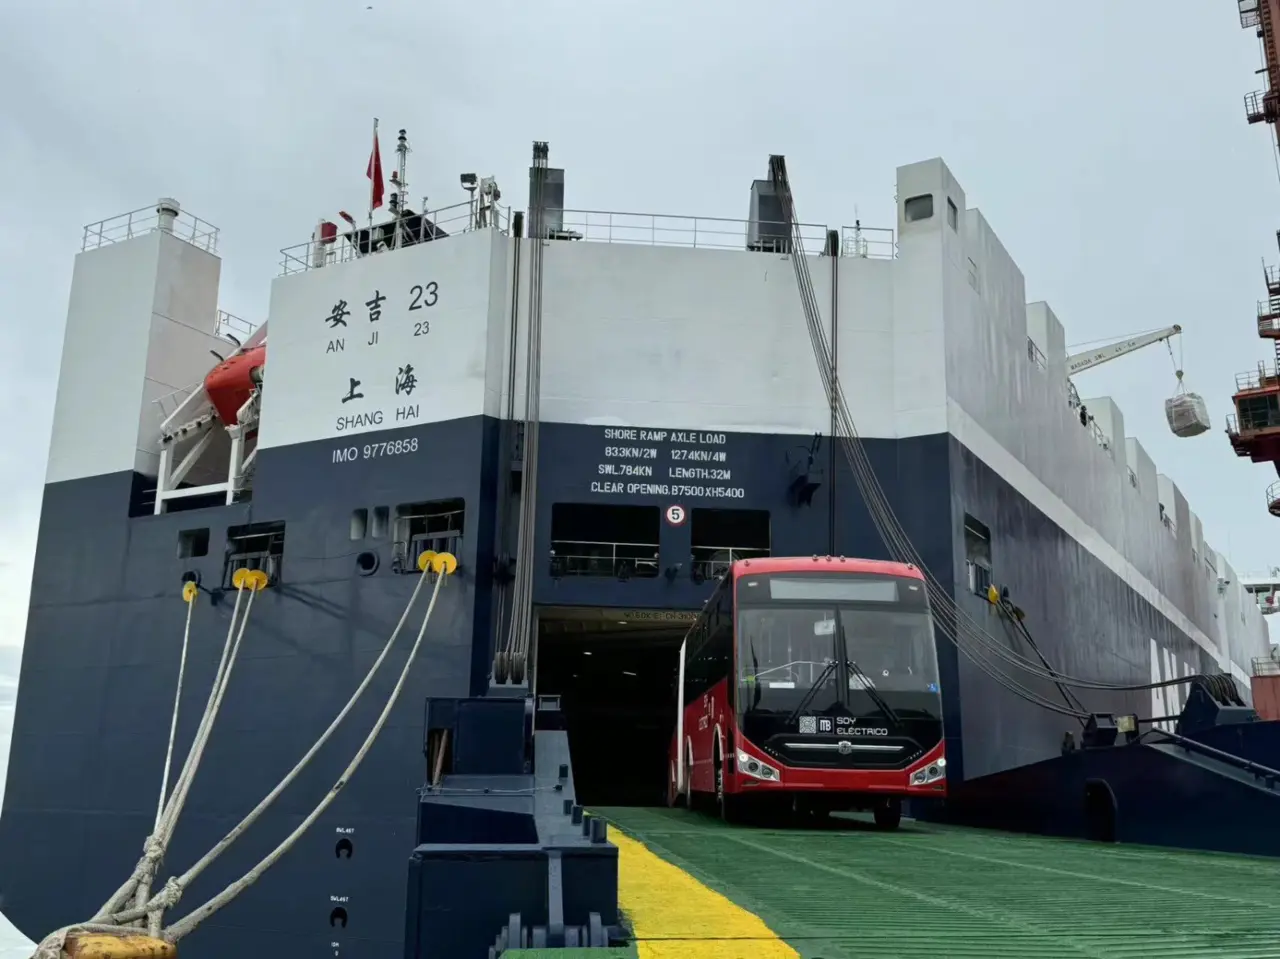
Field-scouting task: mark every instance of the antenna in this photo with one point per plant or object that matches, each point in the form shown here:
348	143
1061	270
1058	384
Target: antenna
469	181
401	185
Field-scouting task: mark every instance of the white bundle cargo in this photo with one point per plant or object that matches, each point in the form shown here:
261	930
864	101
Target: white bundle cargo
1187	414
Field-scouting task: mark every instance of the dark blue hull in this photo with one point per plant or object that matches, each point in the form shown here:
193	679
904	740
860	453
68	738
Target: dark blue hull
106	619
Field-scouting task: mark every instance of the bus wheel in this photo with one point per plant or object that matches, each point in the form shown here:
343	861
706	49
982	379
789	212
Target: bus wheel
888	813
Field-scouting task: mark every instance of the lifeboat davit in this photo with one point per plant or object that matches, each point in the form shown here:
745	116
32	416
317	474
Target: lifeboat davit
230	383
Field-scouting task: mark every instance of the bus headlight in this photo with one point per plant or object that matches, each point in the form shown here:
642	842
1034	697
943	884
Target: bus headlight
930	774
756	769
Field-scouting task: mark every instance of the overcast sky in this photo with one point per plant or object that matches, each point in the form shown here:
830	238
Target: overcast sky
1104	141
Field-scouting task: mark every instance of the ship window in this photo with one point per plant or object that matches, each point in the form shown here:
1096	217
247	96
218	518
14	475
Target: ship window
720	536
918	207
193	542
594	539
436	525
359	523
977	555
1259	412
381	522
953	215
256	546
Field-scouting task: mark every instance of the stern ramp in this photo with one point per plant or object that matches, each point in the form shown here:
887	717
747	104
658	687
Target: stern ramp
692	887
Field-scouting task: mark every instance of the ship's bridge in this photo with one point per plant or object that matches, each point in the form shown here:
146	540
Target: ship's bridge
1254	427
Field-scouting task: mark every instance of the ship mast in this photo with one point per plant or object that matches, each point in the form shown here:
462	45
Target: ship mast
1254	427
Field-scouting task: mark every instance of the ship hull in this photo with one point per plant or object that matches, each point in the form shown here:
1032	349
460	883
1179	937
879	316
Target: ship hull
106	627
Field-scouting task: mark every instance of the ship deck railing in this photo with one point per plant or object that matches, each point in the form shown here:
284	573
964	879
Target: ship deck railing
125	226
607	226
591	558
1257	421
712	562
1266	666
1265	377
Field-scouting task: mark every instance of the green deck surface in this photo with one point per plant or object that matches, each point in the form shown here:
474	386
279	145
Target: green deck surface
926	890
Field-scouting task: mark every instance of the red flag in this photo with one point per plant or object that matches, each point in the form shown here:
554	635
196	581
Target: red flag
374	173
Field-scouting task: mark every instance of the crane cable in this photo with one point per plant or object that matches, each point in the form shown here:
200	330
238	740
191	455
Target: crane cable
110	921
955	624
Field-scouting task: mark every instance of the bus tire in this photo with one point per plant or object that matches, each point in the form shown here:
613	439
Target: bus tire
888	813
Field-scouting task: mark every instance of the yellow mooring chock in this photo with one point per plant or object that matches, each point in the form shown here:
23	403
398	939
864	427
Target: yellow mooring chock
250	579
101	945
439	562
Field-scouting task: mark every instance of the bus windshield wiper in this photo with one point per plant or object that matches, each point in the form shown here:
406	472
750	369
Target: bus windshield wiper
867	684
823	676
870	689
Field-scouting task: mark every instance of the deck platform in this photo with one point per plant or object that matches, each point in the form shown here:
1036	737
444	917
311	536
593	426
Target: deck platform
695	888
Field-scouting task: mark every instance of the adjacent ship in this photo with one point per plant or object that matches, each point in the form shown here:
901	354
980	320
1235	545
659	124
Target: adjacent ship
681	424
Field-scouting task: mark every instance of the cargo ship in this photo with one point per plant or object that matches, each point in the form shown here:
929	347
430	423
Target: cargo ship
661	369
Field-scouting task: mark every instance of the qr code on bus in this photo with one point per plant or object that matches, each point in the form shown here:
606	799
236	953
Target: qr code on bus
808	724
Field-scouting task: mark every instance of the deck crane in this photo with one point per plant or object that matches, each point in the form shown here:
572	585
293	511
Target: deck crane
1079	362
1185	411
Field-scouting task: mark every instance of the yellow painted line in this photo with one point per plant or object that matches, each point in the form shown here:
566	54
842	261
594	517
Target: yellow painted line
674	916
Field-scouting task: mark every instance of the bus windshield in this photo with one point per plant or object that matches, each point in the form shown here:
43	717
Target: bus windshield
783	654
817	643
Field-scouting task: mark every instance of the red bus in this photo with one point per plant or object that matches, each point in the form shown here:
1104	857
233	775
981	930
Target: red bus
811	682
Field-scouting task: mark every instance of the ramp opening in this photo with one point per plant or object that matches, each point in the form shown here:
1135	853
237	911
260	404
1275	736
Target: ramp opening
615	671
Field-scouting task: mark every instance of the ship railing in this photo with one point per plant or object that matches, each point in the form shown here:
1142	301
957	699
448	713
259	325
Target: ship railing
712	562
616	560
228	323
700	232
1254	422
977	577
1266	666
1073	396
1036	355
167	406
869	242
1273	498
1255	106
404	553
1264	377
435	224
1270	778
191	229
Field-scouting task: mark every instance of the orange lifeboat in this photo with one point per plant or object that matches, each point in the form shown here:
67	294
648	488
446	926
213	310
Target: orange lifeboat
230	383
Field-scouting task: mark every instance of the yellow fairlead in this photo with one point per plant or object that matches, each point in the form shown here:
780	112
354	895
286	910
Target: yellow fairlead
190	591
253	580
445	563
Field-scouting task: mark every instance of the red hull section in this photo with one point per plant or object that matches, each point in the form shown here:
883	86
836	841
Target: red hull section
230	383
